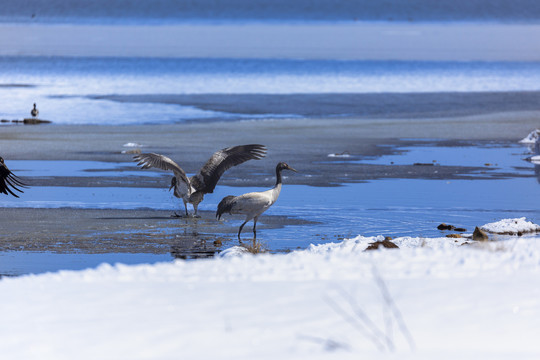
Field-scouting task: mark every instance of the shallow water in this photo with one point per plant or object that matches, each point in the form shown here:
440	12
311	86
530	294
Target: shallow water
490	156
392	207
15	263
41	168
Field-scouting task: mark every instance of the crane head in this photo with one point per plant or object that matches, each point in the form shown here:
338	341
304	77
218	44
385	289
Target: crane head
285	166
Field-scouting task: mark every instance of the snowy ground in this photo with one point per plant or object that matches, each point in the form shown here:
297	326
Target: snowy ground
432	298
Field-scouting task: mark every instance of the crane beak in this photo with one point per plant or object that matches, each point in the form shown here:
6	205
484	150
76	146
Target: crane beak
290	168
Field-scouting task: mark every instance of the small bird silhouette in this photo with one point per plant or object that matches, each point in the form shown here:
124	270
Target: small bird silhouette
34	111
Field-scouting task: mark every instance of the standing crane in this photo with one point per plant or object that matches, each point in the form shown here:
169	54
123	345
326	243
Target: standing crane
192	190
253	204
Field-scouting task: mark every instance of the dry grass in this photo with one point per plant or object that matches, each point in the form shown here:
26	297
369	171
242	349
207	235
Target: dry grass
255	247
380	335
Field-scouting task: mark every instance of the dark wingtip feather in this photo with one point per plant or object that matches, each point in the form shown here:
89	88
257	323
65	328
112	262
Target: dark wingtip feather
15	180
257	151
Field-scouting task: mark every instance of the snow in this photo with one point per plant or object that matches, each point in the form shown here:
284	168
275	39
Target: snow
432	298
535	159
531	138
132	144
511	226
340	155
233	251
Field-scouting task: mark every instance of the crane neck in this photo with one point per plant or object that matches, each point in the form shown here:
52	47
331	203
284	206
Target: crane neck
278	176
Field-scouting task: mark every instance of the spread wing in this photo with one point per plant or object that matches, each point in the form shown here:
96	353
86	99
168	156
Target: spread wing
152	160
222	160
8	179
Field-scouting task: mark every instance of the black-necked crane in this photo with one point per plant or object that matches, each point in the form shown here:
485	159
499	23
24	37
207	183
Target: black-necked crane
7	179
192	190
253	204
34	112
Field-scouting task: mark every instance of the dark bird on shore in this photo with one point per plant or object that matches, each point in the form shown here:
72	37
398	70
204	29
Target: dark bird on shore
191	190
252	204
8	179
35	111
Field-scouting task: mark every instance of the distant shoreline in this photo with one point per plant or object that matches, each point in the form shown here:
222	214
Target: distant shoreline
432	105
341	41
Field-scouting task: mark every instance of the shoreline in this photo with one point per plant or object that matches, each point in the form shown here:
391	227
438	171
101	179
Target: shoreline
335	106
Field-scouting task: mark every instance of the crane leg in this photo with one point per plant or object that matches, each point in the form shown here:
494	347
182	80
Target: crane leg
176	214
254	227
240	230
195	215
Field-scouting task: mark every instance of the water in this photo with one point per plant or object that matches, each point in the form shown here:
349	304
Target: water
502	158
172	11
78	90
393	207
105	91
16	263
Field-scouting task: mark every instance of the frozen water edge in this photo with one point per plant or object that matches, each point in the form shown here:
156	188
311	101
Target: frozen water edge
481	301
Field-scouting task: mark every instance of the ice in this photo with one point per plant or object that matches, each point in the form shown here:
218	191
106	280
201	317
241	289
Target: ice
56	85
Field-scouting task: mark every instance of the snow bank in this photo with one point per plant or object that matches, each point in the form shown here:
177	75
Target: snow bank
531	138
511	227
360	243
331	301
